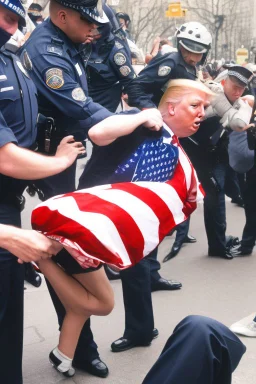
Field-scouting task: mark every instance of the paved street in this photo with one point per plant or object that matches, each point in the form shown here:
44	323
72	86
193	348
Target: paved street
214	287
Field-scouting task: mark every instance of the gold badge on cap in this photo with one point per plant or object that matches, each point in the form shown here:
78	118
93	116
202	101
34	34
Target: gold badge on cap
125	70
119	59
164	70
54	78
78	94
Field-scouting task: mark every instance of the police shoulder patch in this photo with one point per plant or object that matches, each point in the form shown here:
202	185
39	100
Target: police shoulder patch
164	70
125	70
54	78
27	61
119	58
78	94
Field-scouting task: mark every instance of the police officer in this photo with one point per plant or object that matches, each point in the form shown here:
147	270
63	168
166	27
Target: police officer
35	13
55	55
109	69
193	44
208	151
18	114
125	21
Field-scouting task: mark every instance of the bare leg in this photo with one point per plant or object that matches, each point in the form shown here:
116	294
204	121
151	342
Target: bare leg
82	295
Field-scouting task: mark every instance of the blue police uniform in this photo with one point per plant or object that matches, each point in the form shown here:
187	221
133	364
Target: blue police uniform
200	351
109	70
146	90
57	67
18	114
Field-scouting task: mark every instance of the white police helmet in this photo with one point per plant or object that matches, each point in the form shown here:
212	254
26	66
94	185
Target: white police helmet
194	37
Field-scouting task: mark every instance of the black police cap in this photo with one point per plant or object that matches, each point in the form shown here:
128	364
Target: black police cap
90	9
241	73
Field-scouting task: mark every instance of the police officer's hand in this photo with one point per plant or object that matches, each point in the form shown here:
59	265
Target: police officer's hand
27	245
68	150
153	119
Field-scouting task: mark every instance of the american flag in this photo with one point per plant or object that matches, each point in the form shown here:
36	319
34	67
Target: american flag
121	223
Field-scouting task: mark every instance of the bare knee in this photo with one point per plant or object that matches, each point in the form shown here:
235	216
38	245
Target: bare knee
107	307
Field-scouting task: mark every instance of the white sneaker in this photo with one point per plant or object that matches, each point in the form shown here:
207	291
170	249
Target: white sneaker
244	329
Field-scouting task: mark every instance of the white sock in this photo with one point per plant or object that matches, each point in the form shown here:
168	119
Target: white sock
66	362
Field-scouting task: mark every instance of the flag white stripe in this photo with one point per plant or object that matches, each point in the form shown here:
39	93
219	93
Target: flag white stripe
141	213
100	225
169	195
186	166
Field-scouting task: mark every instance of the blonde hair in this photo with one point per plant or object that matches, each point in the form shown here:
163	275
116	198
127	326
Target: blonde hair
177	89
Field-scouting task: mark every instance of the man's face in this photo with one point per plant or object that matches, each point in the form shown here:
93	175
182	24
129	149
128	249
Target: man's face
79	29
233	90
122	23
8	20
185	117
191	58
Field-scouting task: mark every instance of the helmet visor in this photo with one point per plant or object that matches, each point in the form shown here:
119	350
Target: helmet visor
193	46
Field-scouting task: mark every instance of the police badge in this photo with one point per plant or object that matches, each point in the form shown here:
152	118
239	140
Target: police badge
125	70
27	61
78	94
119	59
164	70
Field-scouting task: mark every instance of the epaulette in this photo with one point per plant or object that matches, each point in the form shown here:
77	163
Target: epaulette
56	46
118	45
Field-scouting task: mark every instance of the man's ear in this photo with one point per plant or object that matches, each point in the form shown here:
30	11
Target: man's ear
171	109
62	15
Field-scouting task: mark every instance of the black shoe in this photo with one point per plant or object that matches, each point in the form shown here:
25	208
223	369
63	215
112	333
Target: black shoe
231	241
155	333
111	273
240	251
95	367
238	200
31	276
174	251
189	239
227	255
122	344
165	285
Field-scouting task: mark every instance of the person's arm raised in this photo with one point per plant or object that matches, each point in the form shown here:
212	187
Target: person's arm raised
108	130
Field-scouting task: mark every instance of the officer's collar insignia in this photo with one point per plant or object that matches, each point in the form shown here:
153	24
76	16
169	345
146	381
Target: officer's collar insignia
118	45
78	94
54	78
57	49
164	70
119	59
27	61
125	70
23	70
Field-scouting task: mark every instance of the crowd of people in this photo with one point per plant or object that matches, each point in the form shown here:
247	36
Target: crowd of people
62	84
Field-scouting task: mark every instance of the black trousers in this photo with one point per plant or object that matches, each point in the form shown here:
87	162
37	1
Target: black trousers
139	318
200	351
63	183
11	306
249	193
182	231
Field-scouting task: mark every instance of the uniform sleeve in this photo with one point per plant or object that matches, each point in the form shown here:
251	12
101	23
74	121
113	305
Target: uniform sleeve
55	79
122	66
151	79
6	134
241	158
